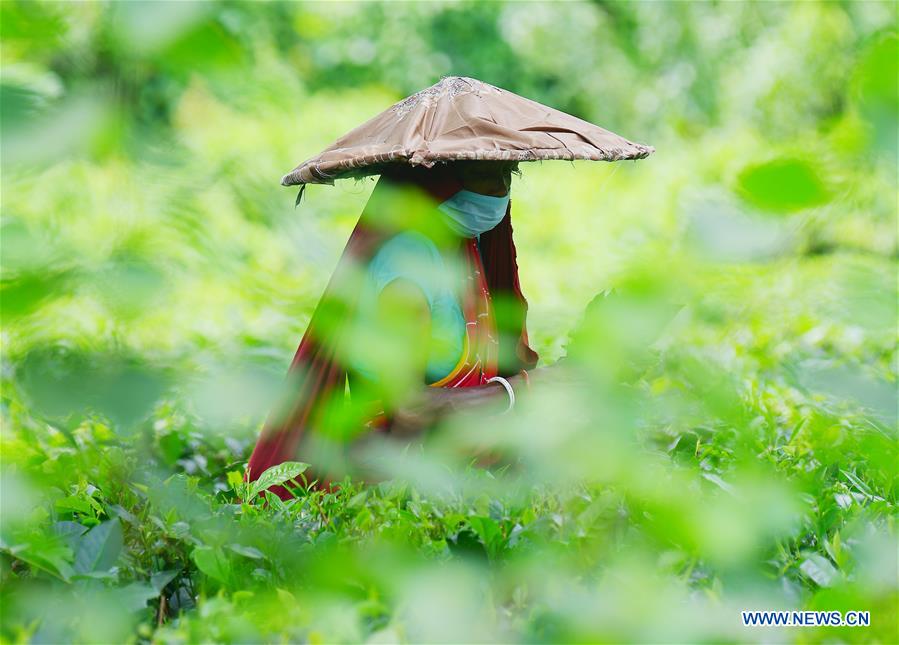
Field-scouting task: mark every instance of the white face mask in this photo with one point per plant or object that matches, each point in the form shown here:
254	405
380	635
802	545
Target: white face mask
470	214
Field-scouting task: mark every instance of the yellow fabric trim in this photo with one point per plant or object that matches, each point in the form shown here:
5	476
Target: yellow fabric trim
446	379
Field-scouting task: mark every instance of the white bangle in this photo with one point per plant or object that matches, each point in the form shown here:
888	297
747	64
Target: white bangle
509	390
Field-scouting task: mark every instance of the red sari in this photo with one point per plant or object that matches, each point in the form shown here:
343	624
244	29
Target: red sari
312	414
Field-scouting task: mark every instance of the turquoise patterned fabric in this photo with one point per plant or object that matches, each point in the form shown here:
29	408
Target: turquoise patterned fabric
414	257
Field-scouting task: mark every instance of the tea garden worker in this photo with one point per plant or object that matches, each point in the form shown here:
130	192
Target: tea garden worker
424	313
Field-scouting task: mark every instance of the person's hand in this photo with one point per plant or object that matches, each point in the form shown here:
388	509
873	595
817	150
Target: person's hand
561	373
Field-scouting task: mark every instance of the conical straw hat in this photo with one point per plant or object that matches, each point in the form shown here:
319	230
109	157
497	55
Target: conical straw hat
458	119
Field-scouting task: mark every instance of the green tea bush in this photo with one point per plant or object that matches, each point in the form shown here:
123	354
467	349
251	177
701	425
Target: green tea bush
720	432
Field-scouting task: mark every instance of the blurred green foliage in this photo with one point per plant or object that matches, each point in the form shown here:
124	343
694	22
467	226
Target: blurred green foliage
155	280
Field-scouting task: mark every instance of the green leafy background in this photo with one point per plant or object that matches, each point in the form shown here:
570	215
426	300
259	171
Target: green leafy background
156	280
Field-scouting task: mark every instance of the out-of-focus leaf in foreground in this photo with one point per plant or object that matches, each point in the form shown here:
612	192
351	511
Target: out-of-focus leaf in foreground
783	185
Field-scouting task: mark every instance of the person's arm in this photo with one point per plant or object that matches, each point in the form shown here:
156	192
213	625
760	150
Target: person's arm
404	316
434	402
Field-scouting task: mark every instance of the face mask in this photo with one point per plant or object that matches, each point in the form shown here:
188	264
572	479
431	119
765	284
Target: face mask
469	214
